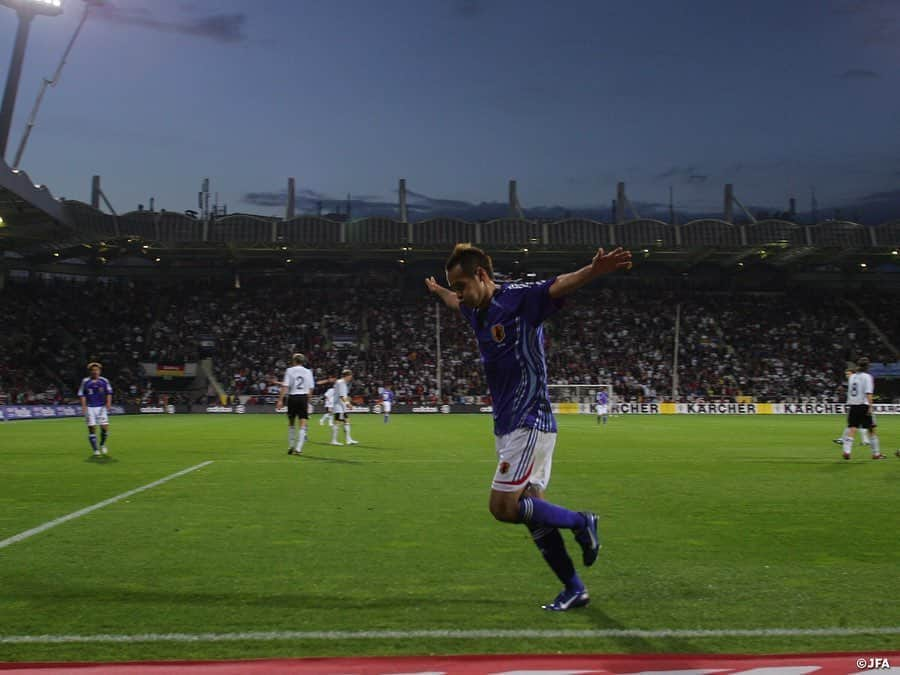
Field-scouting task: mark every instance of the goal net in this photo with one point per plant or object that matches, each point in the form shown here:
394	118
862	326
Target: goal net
580	398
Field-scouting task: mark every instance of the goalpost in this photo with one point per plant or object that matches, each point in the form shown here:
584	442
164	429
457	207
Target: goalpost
580	398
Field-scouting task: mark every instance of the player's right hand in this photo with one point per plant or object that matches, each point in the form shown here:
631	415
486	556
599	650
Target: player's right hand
432	285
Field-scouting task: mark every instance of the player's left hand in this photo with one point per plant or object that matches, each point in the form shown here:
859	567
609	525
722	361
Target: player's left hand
617	259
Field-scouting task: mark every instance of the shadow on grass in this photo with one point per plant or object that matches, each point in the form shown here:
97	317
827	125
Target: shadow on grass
112	596
333	460
100	460
603	621
786	460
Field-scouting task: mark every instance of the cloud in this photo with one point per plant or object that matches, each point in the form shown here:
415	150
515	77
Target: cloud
889	195
683	174
423	200
267	199
225	28
309	201
878	21
859	74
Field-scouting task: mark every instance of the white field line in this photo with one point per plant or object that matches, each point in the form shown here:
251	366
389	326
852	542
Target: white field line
451	634
112	500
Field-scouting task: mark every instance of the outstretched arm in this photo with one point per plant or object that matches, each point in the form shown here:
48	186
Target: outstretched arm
603	263
445	294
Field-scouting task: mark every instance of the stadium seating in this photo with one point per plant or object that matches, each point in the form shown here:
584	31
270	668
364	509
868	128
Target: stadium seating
773	346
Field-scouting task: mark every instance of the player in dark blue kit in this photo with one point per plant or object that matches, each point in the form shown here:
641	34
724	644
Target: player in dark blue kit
387	401
507	322
602	407
95	393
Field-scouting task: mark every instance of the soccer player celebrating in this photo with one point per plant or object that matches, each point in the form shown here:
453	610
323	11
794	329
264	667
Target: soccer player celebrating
95	393
298	383
387	398
602	406
507	320
860	389
342	405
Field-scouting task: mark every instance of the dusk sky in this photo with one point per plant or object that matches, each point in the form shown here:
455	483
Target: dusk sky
459	96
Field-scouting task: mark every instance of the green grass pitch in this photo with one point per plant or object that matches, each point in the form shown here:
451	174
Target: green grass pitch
708	523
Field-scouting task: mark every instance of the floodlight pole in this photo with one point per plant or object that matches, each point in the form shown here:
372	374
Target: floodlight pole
12	77
49	83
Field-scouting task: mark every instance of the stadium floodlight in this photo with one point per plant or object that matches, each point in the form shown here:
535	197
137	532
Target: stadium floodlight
26	11
44	7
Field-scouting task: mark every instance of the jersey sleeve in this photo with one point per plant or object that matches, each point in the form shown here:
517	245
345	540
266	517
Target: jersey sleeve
108	384
537	304
284	380
870	385
81	387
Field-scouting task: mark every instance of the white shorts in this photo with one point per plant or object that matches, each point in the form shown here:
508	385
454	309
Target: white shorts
386	406
524	457
602	409
97	415
329	409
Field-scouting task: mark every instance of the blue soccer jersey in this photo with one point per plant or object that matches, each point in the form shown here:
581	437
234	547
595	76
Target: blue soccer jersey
602	398
95	391
387	396
511	342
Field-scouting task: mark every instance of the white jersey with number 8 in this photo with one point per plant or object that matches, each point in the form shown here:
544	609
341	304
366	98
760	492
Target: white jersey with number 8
858	386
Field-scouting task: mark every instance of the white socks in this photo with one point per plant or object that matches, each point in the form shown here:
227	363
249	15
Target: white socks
876	444
334	433
848	445
347	432
302	439
290	437
865	435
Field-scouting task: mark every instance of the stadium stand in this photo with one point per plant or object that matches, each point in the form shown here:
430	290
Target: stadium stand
770	346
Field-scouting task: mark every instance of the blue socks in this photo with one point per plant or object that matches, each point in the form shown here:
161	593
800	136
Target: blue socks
550	543
537	512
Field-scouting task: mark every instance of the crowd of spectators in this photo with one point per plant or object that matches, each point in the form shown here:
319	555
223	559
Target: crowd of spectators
773	346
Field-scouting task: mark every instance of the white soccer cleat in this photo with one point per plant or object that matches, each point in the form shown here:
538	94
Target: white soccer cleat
103	449
352	442
336	443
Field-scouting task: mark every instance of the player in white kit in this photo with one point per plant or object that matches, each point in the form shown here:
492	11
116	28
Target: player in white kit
329	408
341	402
860	389
298	384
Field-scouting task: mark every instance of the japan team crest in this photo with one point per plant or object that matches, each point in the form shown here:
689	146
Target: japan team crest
504	467
498	332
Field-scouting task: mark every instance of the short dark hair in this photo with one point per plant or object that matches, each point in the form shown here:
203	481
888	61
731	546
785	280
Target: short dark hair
469	258
862	364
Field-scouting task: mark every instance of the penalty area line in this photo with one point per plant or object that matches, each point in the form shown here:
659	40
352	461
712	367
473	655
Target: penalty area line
88	509
452	634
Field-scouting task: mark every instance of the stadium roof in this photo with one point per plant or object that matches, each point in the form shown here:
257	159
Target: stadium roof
40	230
28	210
